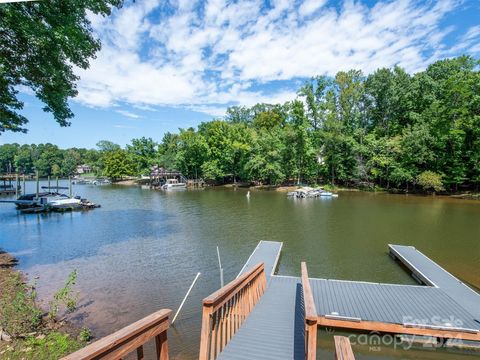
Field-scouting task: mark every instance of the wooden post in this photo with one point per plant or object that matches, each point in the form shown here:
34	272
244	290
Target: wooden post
311	342
48	183
140	353
205	333
161	345
310	316
16	185
24	190
38	183
57	184
343	348
70	185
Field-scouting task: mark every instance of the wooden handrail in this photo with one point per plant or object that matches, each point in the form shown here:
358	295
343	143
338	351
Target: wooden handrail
218	297
130	338
226	309
310	316
343	348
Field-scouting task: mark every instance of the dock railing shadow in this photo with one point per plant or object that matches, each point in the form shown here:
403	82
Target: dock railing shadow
225	310
129	339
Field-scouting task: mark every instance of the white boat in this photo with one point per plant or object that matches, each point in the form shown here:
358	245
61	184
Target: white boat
64	202
173	184
326	193
308	192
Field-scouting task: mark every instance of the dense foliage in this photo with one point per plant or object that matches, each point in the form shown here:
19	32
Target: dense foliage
388	129
48	159
40	43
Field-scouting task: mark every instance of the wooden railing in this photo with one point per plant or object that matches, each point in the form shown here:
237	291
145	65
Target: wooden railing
226	309
343	348
310	317
130	338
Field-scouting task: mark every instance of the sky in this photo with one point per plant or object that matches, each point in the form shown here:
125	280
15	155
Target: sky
173	64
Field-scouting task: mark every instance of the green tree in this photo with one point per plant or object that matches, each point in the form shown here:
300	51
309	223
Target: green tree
48	156
192	152
239	114
167	151
314	93
7	157
143	152
23	159
117	164
40	44
430	180
301	153
266	162
107	146
229	147
71	159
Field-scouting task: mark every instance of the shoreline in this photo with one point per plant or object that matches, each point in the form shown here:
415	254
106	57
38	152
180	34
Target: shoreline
50	338
467	195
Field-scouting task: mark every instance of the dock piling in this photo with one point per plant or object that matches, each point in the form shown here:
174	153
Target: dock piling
16	185
38	183
220	266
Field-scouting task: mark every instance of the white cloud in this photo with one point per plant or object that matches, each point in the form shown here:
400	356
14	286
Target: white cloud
119	126
229	52
308	7
128	114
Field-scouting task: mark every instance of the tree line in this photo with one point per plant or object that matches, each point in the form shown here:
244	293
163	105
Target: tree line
389	129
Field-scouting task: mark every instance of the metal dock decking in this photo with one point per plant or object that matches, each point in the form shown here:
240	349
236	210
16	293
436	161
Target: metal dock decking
275	327
405	305
430	273
267	252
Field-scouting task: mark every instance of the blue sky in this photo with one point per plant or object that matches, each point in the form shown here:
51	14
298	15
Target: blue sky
170	64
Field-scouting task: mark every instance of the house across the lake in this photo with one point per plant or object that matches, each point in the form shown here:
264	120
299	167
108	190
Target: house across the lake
84	169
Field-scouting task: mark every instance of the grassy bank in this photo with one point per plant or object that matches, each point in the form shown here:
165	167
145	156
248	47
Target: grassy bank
26	330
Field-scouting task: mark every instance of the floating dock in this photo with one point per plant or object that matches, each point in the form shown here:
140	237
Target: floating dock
430	273
267	252
275	329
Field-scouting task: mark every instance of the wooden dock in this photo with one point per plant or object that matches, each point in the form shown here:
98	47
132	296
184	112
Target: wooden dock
264	316
275	328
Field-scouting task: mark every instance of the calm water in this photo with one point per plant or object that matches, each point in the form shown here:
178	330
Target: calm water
141	250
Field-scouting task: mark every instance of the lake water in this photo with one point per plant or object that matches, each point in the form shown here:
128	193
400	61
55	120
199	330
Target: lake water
141	250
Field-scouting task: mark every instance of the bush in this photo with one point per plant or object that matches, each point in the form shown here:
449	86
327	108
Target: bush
85	335
65	297
430	180
18	313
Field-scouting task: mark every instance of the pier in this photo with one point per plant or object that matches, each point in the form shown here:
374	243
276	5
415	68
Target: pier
261	315
9	184
283	324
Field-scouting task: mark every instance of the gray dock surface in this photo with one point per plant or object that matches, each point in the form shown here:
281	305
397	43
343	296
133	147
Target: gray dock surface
387	303
434	275
267	252
275	327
